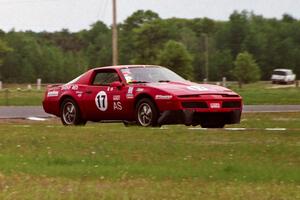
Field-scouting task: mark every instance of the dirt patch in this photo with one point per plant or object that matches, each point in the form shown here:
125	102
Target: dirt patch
281	86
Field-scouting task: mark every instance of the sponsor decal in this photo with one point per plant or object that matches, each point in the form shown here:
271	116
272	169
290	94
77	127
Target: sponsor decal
52	94
79	93
101	101
129	96
118	106
215	105
166	97
74	87
130	90
65	87
110	89
139	89
116	97
197	88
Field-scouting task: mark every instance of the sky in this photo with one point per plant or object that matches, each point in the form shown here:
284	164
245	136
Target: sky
75	15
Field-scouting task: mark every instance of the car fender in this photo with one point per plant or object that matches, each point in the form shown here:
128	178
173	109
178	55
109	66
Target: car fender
74	92
163	100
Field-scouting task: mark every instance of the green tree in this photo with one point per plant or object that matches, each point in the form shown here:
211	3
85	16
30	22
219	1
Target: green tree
4	49
149	39
204	25
20	65
63	39
138	18
98	45
143	37
175	56
126	36
246	70
221	65
238	27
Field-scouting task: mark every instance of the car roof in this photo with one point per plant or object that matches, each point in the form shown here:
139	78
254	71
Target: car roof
125	66
285	70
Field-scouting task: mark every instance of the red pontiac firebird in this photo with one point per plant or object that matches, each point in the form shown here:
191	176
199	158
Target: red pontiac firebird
146	95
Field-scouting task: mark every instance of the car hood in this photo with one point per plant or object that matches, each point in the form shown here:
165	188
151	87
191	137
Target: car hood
190	88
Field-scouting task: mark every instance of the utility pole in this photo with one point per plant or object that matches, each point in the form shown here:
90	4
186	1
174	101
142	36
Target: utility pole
114	34
206	55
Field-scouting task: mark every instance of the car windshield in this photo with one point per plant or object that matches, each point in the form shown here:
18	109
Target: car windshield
150	75
282	73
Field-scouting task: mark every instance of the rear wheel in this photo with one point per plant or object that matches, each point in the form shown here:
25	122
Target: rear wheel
70	113
146	113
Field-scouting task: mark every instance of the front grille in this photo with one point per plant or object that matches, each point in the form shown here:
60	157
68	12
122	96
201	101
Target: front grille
231	104
194	105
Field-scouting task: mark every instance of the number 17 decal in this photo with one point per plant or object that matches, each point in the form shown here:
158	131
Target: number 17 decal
101	101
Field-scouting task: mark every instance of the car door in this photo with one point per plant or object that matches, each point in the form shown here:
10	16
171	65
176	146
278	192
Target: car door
101	100
118	102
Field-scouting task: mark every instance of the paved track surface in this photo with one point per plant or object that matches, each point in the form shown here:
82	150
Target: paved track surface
271	108
21	112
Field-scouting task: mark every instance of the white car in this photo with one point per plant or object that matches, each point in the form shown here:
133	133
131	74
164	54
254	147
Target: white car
283	76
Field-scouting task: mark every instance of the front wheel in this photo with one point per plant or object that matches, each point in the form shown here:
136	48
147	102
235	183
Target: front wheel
146	113
70	113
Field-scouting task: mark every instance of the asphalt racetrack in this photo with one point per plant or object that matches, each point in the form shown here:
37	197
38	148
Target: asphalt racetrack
23	112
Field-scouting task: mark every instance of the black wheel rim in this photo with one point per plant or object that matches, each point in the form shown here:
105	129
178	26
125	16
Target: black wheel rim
69	113
145	114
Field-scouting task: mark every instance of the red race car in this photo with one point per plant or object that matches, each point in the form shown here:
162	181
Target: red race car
146	95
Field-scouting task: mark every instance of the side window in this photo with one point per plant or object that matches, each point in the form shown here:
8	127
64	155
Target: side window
105	78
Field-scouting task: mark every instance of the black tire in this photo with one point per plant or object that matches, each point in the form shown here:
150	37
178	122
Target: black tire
70	113
146	113
129	123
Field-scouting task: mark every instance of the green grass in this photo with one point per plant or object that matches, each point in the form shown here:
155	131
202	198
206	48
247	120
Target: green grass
13	97
263	93
109	161
26	187
270	120
257	93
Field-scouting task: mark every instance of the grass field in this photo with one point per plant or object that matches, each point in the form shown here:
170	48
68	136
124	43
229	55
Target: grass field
266	93
258	93
44	160
14	97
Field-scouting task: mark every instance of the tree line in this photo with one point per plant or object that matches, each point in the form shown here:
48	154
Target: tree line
144	38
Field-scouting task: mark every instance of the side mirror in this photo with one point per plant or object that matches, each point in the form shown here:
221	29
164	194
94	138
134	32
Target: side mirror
116	84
